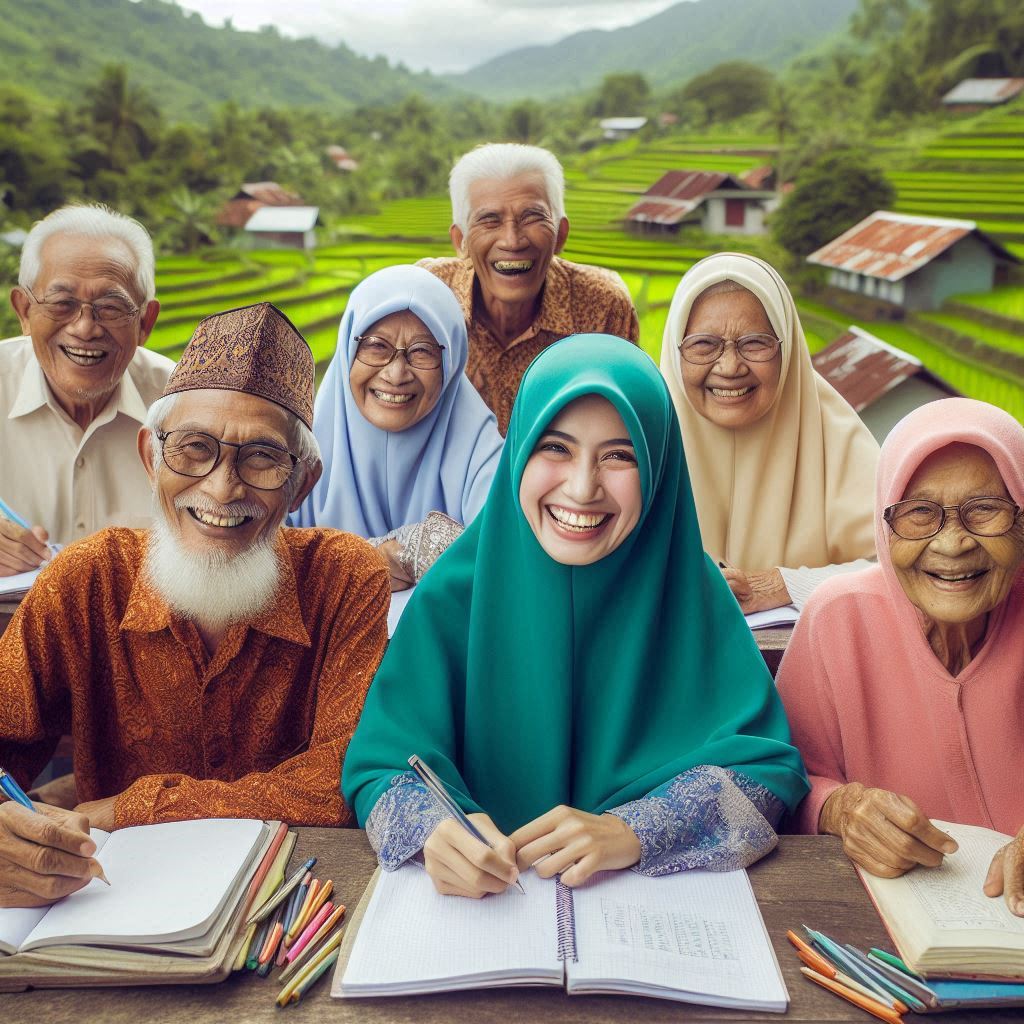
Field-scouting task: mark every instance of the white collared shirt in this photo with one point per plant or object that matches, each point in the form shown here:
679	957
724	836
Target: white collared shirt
54	474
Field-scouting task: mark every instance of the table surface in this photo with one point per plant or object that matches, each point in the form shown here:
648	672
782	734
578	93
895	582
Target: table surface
807	879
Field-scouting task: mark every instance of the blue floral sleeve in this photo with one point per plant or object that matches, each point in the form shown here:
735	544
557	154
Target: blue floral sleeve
401	820
707	817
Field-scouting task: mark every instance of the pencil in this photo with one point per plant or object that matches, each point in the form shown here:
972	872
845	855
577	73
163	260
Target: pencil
300	918
289	916
282	894
302	957
328	948
872	1006
267	863
816	963
315	923
314	977
316	902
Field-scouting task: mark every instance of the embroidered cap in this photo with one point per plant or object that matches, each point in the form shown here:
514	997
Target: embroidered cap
255	349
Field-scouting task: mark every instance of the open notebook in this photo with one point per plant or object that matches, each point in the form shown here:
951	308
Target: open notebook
695	937
175	892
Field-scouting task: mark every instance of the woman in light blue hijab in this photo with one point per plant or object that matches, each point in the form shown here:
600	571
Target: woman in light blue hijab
409	448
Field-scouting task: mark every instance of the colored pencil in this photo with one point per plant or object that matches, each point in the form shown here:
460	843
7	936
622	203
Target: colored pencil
301	958
289	916
300	918
314	962
316	901
872	1006
311	929
314	977
265	865
282	894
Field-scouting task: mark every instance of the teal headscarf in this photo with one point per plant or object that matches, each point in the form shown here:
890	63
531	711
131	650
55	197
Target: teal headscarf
525	683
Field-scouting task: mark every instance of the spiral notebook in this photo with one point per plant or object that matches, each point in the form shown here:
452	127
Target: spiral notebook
694	937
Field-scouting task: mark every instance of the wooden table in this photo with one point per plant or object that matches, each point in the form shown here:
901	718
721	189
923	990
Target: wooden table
807	879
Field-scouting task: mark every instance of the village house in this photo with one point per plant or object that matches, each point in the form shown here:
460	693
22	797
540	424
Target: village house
881	382
614	128
902	263
982	93
289	227
253	195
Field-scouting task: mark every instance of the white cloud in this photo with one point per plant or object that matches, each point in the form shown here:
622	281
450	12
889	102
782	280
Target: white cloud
452	36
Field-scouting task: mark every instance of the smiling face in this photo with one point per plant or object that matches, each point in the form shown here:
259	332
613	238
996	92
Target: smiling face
396	396
83	360
580	490
731	393
511	237
220	512
956	577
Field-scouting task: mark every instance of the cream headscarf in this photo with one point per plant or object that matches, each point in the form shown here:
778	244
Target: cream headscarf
795	488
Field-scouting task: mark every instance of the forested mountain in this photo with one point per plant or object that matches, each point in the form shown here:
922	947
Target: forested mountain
668	48
53	46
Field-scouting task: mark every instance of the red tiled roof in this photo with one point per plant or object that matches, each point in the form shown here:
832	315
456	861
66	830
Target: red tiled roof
892	245
678	193
862	368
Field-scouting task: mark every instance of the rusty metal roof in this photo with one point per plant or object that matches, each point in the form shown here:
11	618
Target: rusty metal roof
269	193
760	177
862	368
676	194
892	245
984	90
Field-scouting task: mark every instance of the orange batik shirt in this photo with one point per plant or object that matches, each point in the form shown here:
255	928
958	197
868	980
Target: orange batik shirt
256	731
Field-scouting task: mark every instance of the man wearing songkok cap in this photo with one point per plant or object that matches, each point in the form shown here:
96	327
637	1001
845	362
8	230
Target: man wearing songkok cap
75	387
518	295
216	664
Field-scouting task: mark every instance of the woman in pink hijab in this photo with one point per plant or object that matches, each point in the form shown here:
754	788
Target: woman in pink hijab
904	682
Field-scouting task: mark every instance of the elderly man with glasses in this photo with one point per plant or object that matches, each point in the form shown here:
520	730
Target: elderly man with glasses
216	664
75	388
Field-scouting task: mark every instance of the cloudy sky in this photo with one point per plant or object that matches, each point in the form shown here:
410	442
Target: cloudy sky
441	36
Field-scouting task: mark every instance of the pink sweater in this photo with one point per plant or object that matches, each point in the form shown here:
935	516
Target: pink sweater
867	699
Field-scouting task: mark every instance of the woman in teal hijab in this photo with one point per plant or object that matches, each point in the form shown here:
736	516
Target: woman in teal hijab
574	667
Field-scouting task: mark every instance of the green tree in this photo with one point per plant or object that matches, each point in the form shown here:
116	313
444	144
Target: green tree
730	90
524	122
187	221
125	116
621	95
828	197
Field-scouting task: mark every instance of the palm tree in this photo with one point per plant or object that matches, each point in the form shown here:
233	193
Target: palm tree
122	112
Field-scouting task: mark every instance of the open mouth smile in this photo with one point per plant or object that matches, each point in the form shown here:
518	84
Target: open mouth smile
582	524
956	577
512	268
225	522
390	398
83	356
732	392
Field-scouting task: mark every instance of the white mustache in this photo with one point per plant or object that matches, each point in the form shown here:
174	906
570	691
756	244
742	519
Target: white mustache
211	508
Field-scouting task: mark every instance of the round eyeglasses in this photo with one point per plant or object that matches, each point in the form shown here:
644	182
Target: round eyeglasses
916	519
420	355
709	348
67	309
193	453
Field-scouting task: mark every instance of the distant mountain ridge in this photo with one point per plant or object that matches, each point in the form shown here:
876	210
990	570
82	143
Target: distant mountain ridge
187	66
669	47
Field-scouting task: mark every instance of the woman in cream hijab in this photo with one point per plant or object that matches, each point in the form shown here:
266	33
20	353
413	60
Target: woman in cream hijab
782	467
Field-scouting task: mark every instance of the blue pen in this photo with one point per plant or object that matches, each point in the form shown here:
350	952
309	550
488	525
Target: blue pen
8	513
847	964
11	789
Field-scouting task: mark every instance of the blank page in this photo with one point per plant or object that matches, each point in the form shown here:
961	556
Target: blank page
412	939
696	936
167	882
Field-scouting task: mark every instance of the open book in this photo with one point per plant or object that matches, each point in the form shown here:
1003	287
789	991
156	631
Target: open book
695	937
171	908
942	922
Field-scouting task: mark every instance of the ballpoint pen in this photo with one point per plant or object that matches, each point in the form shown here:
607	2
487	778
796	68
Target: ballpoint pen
8	513
438	791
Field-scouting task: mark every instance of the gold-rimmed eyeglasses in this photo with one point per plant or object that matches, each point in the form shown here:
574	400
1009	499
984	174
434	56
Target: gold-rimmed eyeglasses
709	348
917	519
422	354
193	453
67	309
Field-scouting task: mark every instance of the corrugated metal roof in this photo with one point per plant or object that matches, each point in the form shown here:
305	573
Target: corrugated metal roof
676	194
862	368
892	245
757	177
623	124
984	90
283	218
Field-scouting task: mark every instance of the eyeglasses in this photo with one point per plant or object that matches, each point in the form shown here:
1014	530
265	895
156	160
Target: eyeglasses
420	355
984	517
68	309
193	453
708	348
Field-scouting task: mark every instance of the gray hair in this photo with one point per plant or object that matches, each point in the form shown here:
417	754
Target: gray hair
306	447
504	160
93	221
721	287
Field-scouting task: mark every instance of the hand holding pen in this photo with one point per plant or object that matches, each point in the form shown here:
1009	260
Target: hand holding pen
466	855
46	853
22	547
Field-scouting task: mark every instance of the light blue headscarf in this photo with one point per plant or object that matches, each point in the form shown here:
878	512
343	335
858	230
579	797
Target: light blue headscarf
375	480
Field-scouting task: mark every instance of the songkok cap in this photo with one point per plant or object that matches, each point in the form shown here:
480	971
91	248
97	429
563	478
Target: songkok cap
255	349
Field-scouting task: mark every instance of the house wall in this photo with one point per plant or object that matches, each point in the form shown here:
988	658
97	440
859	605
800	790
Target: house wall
968	266
713	218
881	416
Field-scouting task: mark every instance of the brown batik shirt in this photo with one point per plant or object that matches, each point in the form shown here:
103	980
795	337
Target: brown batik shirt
577	299
257	731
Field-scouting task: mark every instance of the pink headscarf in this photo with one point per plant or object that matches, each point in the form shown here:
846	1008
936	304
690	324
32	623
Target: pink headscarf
868	701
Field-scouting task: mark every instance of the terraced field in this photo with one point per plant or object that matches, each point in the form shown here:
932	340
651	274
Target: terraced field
972	170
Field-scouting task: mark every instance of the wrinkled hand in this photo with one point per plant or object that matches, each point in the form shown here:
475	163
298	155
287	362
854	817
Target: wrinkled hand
61	792
461	865
885	833
1006	875
757	591
21	549
99	812
401	578
43	856
575	844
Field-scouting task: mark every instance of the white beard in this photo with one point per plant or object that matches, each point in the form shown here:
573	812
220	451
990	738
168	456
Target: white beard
211	588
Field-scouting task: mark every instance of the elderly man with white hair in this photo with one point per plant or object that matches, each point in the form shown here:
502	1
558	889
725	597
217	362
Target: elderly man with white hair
216	664
517	294
76	386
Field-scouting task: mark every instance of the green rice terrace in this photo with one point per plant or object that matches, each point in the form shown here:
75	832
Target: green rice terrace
972	169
